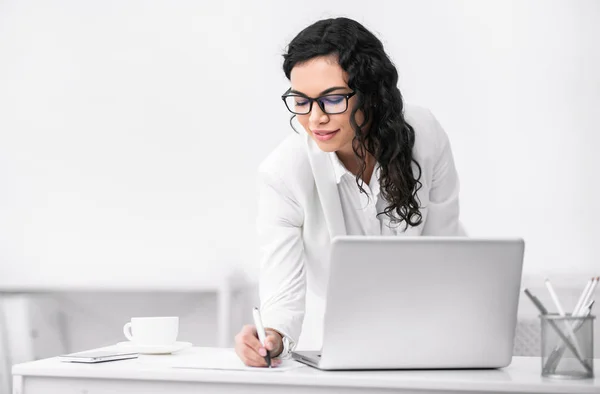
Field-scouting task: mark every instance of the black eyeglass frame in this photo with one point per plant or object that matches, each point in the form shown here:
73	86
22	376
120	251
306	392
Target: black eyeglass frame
320	104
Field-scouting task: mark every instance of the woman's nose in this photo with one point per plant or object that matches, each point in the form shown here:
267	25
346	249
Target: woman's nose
317	116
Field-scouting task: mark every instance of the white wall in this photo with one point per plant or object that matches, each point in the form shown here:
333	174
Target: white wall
130	131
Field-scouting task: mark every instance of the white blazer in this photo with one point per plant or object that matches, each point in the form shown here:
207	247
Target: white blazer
299	213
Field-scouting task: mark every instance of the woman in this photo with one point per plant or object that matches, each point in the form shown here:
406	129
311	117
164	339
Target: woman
363	165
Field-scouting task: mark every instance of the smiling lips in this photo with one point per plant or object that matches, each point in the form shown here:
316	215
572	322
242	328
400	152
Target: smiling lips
324	135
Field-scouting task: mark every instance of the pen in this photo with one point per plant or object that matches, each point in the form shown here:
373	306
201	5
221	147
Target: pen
582	297
262	336
553	324
590	305
561	312
590	292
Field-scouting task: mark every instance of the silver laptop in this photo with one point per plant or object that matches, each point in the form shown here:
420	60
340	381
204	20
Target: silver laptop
420	303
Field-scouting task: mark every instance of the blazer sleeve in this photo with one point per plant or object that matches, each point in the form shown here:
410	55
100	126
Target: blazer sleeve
282	280
443	210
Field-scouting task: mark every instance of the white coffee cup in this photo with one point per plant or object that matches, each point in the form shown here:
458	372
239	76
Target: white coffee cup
152	331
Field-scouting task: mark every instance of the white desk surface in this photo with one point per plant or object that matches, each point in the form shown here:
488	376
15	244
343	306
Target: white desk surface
155	373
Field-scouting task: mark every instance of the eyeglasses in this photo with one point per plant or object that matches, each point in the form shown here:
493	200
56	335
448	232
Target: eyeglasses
330	104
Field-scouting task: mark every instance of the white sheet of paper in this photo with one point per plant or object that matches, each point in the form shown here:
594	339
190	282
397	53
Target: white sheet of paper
226	359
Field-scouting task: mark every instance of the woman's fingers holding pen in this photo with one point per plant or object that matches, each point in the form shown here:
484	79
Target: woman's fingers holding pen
250	337
244	348
249	348
273	342
251	358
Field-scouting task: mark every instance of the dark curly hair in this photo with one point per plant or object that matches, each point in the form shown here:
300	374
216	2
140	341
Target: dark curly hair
374	78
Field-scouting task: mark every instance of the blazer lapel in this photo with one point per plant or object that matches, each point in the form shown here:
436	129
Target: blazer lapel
327	187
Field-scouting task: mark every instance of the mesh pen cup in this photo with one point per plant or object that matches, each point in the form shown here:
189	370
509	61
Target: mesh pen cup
567	346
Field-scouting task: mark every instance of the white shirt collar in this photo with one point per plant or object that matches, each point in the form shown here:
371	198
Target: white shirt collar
374	184
340	170
338	167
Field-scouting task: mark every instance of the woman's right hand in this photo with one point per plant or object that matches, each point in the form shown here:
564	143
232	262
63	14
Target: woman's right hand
250	350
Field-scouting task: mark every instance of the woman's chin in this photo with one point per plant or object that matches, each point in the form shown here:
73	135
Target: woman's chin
326	146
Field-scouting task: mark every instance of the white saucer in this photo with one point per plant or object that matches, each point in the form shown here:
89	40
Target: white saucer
177	346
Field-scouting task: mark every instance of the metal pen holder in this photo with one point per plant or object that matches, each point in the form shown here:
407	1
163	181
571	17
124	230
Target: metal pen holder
567	346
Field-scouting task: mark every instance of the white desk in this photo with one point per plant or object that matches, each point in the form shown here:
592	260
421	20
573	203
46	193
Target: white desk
152	374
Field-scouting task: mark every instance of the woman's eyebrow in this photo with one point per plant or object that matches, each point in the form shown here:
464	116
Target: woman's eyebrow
323	92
